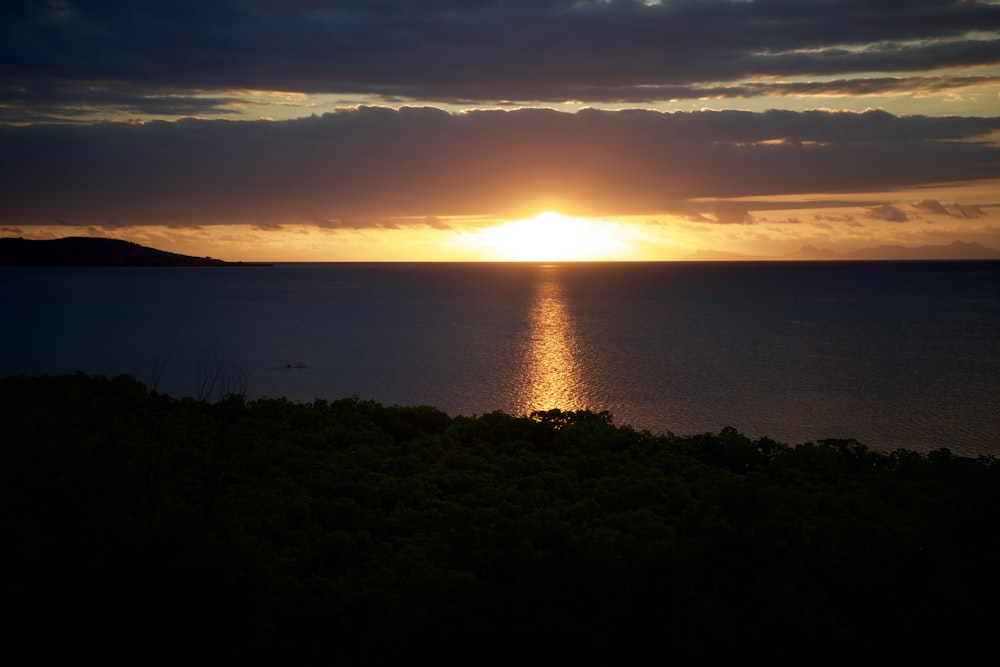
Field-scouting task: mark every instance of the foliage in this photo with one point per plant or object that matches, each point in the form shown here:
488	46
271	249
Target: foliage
142	526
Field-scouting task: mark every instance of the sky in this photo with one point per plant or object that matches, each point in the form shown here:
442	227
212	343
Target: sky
463	130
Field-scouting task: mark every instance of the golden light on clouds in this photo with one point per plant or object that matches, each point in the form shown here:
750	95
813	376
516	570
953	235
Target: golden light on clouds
651	147
772	227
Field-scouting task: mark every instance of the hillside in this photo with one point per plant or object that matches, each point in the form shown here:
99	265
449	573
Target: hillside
87	251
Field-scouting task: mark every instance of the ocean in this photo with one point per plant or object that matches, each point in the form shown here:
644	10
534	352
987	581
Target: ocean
892	354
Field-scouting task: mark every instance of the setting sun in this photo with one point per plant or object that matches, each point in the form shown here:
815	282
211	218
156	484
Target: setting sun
551	237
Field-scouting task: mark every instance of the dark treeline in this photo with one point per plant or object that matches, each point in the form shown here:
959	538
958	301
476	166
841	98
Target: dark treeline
144	528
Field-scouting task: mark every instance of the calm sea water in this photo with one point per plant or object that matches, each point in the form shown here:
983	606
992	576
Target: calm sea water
901	354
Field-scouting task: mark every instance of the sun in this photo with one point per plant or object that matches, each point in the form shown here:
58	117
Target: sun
551	237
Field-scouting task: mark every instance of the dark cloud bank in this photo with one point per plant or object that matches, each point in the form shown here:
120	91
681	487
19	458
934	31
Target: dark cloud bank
145	55
70	59
366	164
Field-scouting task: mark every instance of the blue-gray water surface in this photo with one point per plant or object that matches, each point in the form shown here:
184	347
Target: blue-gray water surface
893	354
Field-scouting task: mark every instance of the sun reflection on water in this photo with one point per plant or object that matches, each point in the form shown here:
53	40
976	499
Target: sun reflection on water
551	375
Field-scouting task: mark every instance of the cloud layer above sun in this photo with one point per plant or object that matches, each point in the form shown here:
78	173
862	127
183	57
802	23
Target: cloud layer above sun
364	167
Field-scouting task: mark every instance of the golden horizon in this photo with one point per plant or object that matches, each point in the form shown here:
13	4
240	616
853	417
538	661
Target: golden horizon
752	228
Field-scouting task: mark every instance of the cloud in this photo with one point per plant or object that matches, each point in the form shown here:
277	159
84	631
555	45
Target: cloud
953	209
474	50
721	213
965	211
114	225
45	102
434	222
362	167
731	214
930	206
887	213
857	87
833	218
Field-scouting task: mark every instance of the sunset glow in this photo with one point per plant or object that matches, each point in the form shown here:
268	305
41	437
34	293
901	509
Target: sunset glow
809	132
550	237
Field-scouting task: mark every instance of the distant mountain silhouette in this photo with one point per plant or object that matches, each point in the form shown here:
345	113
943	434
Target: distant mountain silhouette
812	252
721	256
956	250
88	251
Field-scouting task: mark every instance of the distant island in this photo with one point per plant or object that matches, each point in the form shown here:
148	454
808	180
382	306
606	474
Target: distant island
956	250
88	251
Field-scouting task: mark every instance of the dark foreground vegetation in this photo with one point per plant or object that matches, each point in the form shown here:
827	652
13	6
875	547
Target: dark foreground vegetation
142	528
